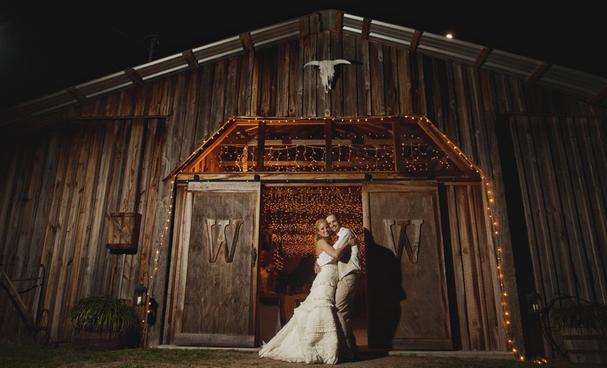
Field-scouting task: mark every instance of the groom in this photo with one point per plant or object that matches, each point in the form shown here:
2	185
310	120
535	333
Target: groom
348	270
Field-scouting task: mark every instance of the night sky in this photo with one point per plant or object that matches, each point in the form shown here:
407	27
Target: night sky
54	44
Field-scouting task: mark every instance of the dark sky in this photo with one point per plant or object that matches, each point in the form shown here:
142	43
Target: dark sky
52	45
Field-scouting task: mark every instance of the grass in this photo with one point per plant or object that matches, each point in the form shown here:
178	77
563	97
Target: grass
25	356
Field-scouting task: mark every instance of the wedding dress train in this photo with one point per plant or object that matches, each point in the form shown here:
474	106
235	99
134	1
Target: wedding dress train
310	336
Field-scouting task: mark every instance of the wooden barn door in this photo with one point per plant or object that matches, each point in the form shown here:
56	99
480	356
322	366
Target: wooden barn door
216	265
408	302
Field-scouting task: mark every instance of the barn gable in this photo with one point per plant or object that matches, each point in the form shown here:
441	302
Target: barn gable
409	145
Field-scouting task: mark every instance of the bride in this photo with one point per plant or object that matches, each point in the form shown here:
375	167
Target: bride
310	336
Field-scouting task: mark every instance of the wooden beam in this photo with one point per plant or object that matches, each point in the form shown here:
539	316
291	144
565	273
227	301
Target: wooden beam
417	35
538	72
247	41
398	163
454	156
74	92
599	96
364	33
261	140
339	21
133	76
188	56
328	143
17	301
293	142
482	57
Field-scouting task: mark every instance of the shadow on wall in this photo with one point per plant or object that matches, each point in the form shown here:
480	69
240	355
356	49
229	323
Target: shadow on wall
385	293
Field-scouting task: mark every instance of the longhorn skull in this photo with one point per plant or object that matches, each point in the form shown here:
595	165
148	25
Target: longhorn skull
327	70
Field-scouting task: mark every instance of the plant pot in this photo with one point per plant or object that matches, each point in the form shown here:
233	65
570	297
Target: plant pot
585	345
105	341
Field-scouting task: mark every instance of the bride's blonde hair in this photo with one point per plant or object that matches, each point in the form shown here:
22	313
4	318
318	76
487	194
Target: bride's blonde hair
316	226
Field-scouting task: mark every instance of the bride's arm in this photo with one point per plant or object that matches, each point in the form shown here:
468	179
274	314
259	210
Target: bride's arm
327	248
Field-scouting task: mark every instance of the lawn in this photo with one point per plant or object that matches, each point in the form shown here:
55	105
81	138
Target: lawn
22	356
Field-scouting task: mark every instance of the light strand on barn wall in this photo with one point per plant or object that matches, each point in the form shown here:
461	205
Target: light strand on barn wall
164	231
492	214
371	153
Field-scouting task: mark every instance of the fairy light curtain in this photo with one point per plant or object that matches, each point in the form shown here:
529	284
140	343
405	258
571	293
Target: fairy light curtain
385	144
290	213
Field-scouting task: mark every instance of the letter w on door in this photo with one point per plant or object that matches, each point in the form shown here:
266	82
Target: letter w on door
218	238
400	239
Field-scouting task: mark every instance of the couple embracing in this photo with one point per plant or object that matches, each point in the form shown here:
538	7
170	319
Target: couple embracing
320	330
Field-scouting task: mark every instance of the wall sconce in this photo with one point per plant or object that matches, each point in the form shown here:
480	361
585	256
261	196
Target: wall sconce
140	294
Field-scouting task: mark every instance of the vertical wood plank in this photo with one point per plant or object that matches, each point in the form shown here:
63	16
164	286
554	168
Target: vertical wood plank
323	100
282	80
349	77
335	52
376	67
310	76
295	79
363	78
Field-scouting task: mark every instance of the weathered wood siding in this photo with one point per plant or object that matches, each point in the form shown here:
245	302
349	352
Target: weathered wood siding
56	212
562	170
55	188
473	258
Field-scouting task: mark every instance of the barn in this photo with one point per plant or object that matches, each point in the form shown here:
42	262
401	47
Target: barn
475	179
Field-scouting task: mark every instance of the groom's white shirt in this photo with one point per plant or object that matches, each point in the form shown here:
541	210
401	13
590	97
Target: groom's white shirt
342	236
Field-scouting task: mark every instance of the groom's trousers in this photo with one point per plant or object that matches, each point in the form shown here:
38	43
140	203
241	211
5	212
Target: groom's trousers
344	301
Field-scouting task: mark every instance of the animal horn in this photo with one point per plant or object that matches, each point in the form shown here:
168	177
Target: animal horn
341	61
312	63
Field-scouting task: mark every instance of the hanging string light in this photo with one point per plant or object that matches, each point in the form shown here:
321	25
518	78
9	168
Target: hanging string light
160	247
492	214
290	213
418	155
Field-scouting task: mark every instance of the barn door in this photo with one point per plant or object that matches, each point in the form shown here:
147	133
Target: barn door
408	304
217	265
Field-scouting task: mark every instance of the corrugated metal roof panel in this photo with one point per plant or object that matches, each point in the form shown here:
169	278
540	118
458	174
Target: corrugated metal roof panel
380	31
353	24
46	103
275	33
574	81
161	66
444	47
218	49
506	62
103	84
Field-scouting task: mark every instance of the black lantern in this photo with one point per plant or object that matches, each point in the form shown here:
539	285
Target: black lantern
140	294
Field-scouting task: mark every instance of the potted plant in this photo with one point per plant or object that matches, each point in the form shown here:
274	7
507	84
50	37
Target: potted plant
105	322
583	328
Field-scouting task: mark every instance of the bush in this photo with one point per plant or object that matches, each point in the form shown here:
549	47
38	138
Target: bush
104	315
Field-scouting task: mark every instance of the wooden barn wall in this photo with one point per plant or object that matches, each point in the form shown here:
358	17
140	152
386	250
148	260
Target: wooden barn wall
54	211
461	99
473	257
562	170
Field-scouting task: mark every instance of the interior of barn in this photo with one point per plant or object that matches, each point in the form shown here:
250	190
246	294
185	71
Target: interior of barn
287	249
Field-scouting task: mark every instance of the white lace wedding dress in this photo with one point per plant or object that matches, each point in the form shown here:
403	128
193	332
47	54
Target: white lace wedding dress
310	336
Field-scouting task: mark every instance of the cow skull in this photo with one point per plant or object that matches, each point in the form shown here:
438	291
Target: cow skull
327	70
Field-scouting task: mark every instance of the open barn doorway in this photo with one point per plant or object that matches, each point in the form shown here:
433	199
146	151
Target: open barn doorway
287	249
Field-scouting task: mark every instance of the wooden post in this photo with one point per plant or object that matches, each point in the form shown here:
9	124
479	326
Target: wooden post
261	139
398	163
328	139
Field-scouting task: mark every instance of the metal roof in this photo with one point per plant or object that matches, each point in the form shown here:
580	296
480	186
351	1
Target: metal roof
583	85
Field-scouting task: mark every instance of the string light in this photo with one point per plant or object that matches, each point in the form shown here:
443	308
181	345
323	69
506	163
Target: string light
290	213
417	153
492	214
159	246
